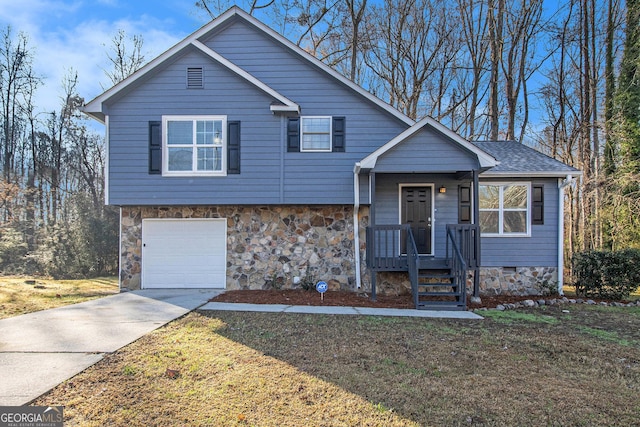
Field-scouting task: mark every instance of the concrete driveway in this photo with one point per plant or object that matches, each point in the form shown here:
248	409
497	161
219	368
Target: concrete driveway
40	350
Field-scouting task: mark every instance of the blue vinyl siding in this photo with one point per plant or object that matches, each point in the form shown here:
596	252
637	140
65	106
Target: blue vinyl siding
541	249
427	150
269	175
387	203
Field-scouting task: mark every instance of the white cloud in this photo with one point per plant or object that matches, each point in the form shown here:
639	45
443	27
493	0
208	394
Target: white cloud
63	37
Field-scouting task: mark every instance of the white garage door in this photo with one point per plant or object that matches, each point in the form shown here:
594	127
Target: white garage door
184	253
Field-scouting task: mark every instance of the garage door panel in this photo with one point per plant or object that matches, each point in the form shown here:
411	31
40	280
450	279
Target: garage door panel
185	253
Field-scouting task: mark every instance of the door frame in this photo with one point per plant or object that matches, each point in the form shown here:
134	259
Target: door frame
142	241
433	207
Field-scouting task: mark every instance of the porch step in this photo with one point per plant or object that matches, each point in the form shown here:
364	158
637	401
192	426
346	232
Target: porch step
438	284
448	306
436	290
433	264
435	276
439	294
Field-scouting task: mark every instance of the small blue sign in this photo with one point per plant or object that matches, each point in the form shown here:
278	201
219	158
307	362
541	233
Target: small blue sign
322	287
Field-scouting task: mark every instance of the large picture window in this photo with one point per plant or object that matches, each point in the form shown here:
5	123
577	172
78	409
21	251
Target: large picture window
315	133
504	209
194	145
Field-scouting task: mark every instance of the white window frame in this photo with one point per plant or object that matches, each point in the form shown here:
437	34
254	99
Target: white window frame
501	209
302	133
193	172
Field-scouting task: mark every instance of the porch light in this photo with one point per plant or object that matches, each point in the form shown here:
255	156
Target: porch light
442	189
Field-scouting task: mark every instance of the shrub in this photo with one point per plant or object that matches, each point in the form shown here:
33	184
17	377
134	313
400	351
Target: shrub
308	282
609	275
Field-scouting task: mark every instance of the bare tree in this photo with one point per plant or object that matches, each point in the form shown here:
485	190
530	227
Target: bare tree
125	56
522	26
356	15
17	80
409	37
496	25
474	20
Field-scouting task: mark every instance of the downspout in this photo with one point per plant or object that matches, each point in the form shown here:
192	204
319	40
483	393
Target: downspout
478	243
356	223
561	185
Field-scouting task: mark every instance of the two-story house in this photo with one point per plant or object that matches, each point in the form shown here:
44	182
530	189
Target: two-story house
238	160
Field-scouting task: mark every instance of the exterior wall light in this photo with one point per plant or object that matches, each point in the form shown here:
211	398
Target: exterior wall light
442	189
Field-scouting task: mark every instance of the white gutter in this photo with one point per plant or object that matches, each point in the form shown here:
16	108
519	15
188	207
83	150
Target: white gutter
561	185
106	160
356	223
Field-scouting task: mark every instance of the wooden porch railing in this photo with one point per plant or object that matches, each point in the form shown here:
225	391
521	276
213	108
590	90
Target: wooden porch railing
384	252
467	238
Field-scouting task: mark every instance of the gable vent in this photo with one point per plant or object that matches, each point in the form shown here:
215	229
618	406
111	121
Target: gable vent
195	78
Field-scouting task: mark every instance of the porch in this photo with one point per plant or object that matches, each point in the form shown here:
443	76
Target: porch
437	283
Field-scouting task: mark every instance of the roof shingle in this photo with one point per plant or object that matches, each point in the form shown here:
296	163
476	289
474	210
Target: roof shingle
519	159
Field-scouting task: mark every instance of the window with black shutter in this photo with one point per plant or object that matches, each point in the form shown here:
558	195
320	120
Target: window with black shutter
155	147
537	205
316	134
233	147
464	204
293	135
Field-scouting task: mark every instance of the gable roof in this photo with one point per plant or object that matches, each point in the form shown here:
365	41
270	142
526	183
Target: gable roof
94	108
517	159
485	160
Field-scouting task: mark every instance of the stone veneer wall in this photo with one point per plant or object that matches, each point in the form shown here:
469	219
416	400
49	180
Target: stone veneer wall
518	281
493	281
265	244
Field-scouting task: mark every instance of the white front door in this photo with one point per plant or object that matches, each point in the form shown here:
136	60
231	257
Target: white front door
184	253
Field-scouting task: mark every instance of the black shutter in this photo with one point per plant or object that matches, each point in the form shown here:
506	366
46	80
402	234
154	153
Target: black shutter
464	204
537	210
338	135
293	134
155	147
233	147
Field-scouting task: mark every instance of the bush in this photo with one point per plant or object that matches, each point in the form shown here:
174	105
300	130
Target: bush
608	275
308	282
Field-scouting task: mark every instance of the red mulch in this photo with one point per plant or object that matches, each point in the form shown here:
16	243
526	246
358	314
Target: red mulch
302	297
342	298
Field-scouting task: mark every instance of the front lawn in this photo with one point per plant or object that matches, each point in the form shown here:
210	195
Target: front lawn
20	295
526	367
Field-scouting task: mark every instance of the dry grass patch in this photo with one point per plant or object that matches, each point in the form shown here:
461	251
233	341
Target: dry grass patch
274	369
188	373
20	295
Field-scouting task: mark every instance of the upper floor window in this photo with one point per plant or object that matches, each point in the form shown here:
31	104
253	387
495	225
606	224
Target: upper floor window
315	133
320	134
194	145
504	209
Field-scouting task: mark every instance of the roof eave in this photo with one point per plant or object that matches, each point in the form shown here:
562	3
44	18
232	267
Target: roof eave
295	108
95	105
94	113
310	58
484	159
530	174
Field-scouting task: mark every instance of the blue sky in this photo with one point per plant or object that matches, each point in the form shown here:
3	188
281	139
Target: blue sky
68	34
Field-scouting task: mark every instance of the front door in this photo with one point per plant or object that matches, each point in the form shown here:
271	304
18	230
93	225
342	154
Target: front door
416	210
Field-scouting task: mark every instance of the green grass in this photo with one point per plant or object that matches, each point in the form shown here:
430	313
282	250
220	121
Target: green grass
513	316
608	336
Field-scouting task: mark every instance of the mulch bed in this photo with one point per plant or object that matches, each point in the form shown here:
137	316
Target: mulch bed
342	298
